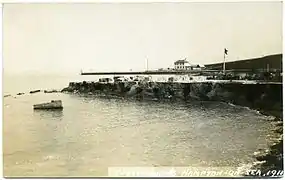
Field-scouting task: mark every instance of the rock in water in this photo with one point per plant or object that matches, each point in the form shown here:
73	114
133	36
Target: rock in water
133	90
51	91
54	104
35	91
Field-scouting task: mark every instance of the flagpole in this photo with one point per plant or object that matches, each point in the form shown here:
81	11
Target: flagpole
224	65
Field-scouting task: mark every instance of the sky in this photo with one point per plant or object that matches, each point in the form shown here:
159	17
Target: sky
122	36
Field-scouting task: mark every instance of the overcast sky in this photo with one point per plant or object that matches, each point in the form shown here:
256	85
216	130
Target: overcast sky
118	37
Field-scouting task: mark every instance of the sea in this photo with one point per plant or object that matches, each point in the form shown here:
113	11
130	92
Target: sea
92	134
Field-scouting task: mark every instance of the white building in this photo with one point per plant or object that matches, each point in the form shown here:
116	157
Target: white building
182	65
185	65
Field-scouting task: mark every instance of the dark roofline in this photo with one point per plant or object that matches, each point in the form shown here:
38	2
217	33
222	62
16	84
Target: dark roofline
181	61
252	59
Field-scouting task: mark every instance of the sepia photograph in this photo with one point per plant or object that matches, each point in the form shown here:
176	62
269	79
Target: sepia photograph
149	89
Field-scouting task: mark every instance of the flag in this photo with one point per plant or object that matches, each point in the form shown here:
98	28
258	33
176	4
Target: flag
226	51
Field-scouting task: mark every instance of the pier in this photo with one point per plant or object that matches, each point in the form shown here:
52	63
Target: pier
170	72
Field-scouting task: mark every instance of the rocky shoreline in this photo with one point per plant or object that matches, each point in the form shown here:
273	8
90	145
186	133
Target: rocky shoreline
266	98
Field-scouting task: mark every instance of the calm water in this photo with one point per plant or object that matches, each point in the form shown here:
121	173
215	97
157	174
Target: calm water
92	134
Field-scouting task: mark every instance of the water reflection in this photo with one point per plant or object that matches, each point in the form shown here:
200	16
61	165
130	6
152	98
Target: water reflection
55	114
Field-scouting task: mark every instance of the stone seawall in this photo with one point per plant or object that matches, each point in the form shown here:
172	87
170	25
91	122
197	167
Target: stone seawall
266	98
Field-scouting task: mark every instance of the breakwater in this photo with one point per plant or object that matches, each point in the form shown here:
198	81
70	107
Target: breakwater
266	98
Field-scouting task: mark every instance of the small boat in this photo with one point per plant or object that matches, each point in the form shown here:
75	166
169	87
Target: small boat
54	104
20	94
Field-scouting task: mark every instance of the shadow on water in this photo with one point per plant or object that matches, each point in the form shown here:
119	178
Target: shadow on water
55	114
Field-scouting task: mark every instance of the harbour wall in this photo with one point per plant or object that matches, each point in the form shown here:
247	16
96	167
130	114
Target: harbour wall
266	98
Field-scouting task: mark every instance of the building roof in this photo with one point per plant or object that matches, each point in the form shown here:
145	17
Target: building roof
273	61
181	61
